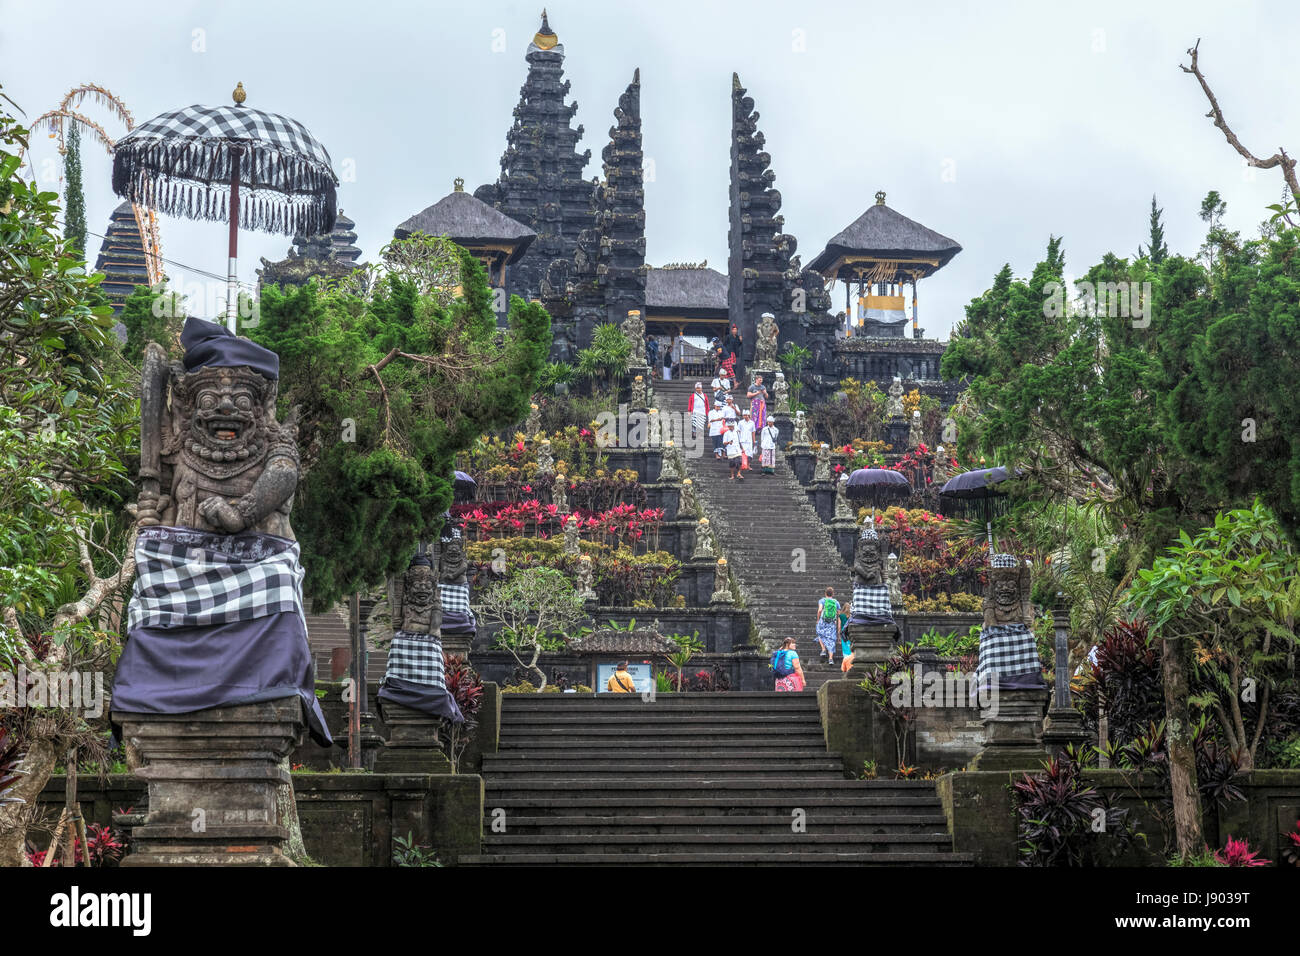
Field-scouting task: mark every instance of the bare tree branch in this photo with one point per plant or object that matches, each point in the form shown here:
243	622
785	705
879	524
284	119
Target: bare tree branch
1280	158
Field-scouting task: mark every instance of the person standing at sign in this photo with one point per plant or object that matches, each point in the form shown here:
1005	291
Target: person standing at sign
620	682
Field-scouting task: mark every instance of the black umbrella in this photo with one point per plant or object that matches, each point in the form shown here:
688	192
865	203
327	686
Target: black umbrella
974	494
463	486
193	162
877	485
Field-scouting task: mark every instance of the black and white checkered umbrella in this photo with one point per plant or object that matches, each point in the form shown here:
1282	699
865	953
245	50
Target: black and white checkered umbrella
229	164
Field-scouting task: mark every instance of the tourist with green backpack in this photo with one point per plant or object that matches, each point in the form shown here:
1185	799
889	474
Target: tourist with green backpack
828	625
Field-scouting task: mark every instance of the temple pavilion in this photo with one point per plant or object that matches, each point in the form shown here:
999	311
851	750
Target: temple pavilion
880	253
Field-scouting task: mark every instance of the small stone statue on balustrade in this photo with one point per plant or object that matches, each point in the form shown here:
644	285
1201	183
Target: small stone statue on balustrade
571	536
822	472
781	394
534	423
915	436
942	470
586	578
545	460
895	406
801	438
560	494
766	342
894	581
459	625
638	393
634	332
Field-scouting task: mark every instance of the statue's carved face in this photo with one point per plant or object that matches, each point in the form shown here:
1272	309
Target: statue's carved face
891	564
1006	598
226	412
453	552
869	560
420	588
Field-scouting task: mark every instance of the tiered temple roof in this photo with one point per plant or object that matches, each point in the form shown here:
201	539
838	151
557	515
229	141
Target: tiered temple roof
490	234
121	257
882	235
607	275
324	256
541	183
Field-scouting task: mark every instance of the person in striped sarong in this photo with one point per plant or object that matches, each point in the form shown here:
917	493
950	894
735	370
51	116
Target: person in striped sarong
699	410
767	448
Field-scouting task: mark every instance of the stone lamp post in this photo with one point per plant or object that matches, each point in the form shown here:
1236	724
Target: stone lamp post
1063	726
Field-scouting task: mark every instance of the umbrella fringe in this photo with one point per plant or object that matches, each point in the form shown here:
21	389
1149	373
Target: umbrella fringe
278	193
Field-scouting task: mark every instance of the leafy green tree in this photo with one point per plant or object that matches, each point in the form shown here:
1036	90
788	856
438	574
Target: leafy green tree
68	423
606	358
152	316
1228	355
1233	592
537	609
1156	250
74	217
389	387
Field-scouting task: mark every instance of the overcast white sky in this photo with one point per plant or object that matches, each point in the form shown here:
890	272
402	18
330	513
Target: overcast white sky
995	123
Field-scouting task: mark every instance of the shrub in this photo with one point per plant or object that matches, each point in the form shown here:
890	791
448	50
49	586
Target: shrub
1056	818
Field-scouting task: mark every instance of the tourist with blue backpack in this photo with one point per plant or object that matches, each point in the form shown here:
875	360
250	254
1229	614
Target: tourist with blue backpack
786	666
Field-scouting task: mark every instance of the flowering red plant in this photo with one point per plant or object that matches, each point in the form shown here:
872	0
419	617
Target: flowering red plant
1238	853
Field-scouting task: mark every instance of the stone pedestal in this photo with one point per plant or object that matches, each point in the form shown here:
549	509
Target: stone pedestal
802	462
871	643
212	777
695	583
1063	728
413	743
453	643
896	430
822	495
1013	726
844	532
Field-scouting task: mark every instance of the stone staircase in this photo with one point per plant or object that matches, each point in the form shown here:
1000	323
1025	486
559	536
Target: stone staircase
760	522
704	779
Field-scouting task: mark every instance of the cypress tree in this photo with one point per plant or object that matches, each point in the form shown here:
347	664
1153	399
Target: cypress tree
1156	249
74	219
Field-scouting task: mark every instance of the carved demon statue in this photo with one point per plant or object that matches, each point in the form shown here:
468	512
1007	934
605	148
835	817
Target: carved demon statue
871	603
216	613
227	465
416	592
1008	652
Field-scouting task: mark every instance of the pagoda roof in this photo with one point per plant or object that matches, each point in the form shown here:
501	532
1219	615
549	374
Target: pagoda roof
469	222
685	287
885	235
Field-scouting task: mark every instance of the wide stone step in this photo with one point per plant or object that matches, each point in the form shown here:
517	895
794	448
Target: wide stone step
709	806
650	715
718	745
674	823
508	759
827	856
508	773
661	785
717	841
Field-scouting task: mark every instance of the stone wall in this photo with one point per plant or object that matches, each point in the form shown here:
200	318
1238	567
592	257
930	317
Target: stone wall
981	813
348	819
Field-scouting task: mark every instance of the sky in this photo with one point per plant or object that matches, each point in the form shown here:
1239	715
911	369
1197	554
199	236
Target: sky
997	124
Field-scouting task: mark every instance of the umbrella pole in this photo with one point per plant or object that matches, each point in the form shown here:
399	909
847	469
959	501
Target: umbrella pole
232	274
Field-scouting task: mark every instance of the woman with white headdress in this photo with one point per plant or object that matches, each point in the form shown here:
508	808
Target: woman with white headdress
767	445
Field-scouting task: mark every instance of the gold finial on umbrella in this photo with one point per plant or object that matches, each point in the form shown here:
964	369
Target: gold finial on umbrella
239	95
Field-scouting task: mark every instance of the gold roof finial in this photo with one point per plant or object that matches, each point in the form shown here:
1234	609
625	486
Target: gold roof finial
880	197
459	183
239	95
545	38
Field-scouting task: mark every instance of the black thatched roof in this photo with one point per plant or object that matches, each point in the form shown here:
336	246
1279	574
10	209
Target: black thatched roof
468	221
609	641
883	233
691	288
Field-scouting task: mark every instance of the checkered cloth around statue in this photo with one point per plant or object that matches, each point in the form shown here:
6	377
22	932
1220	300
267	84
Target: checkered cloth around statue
871	602
1007	650
191	578
1008	654
215	620
417	658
